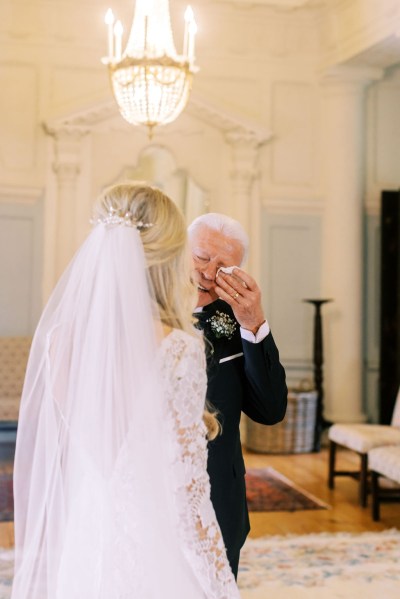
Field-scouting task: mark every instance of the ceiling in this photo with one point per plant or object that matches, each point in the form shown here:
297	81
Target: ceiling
279	4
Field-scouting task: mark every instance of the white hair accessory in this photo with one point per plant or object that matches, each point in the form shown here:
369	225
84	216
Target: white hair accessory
113	218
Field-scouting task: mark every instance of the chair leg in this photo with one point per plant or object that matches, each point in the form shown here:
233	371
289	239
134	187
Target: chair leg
363	479
331	466
375	496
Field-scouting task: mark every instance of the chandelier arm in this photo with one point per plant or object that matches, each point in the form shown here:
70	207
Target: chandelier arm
163	60
146	78
160	81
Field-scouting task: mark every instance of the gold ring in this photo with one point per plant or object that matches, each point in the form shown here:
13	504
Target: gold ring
235	295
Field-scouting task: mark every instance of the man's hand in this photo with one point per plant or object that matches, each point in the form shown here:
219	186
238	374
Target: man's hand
242	293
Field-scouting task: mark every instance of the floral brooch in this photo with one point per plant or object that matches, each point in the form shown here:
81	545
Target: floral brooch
222	325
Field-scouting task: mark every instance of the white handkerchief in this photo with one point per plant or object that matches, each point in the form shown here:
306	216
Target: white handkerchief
231	357
226	269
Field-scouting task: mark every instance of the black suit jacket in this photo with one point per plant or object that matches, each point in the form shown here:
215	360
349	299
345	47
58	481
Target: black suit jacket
252	382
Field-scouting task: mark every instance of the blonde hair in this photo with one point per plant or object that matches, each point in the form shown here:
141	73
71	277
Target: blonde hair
166	250
213	425
165	247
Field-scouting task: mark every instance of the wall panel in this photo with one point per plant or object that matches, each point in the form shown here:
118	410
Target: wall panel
20	267
291	272
292	123
18	114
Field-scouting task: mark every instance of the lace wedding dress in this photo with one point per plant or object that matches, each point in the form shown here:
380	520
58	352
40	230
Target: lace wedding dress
198	530
149	559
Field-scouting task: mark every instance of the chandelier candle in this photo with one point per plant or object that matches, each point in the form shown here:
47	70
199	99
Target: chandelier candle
118	31
109	21
189	18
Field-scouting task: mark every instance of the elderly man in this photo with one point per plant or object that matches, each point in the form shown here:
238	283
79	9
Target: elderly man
243	368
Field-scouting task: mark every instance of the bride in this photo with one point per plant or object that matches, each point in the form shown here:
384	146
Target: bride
112	498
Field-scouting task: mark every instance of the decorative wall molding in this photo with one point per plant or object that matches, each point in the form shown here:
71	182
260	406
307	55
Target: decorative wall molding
382	55
286	205
236	128
82	121
85	120
68	150
358	34
350	74
20	195
243	137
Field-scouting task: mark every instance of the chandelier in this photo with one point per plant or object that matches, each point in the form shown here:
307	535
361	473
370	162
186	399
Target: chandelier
150	81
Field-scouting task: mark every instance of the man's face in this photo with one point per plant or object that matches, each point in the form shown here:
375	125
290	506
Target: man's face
211	249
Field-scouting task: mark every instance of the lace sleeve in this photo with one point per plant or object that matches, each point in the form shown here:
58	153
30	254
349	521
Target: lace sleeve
200	532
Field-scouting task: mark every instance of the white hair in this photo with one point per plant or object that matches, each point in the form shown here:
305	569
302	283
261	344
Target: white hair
224	224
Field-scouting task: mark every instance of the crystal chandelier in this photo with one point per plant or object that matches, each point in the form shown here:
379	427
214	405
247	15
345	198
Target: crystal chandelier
150	81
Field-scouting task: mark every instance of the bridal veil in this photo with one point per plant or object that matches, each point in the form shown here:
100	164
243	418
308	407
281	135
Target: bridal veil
92	393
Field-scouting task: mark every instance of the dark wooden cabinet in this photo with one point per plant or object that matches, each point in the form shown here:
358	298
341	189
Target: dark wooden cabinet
389	361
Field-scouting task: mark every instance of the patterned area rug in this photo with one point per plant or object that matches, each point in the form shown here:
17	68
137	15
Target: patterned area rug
322	566
270	491
318	566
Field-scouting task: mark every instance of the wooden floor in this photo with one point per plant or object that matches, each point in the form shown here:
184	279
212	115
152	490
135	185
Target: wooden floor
309	471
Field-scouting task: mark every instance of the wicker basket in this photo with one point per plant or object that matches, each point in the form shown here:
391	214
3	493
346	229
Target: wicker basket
14	353
295	434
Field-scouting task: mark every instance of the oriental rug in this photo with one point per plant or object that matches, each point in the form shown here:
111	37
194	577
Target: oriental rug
317	566
269	491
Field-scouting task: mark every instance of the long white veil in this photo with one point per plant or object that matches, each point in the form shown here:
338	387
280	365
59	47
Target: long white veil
92	393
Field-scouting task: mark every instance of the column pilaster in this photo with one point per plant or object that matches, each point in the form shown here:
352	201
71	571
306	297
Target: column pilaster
66	166
243	173
245	200
344	176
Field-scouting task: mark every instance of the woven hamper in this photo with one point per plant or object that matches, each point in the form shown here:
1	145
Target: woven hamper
295	434
14	353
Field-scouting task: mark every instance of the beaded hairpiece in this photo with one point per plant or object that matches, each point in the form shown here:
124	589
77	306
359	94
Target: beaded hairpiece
128	220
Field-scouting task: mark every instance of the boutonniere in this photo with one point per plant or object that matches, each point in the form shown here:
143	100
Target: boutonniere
222	325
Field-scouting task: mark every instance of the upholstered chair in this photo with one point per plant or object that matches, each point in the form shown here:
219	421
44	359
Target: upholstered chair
361	438
384	464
